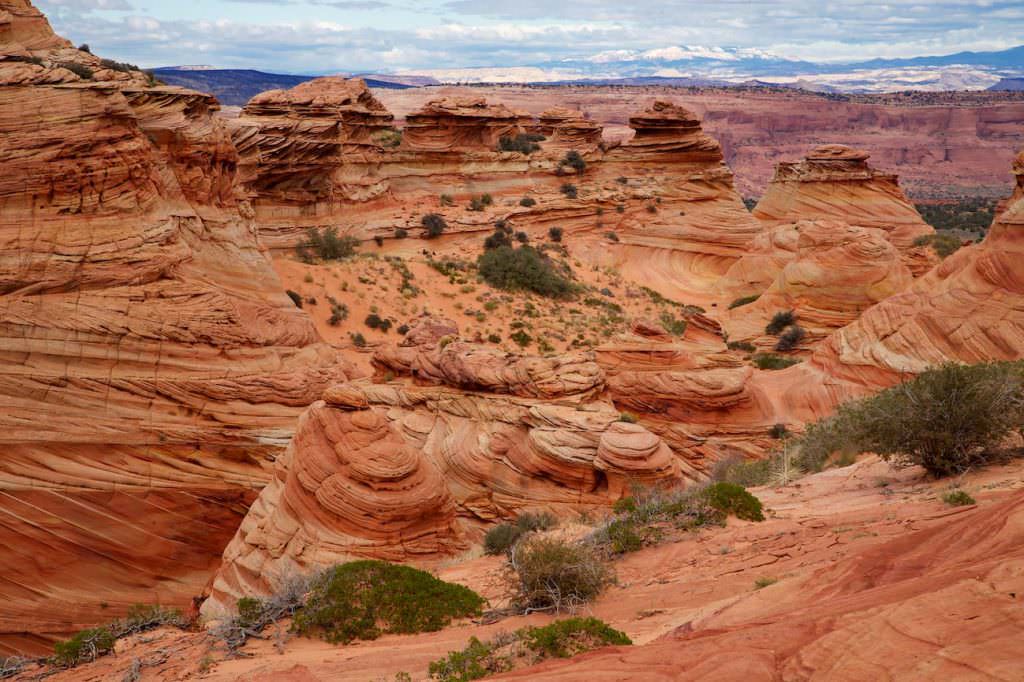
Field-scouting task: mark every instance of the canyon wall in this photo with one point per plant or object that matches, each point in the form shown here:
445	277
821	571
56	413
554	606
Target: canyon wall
151	366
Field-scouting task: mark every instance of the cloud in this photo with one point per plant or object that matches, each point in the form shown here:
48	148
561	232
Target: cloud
323	36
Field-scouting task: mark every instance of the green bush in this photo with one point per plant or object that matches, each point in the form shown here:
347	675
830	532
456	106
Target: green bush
741	345
434	225
358	340
521	338
523	269
778	431
944	244
567	638
611	236
375	321
476	661
524	143
401	233
745	300
326	245
570	190
973	214
555	234
772	361
958	498
622	536
624	505
556	574
365	599
627	417
790	338
118	66
527	202
779	321
730	498
501	538
574	160
80	70
522	237
673	326
948	419
493	338
83	647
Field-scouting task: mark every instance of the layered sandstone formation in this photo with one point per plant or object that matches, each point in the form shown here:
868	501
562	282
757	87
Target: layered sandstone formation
415	471
666	194
568	129
461	124
833	183
837	272
151	364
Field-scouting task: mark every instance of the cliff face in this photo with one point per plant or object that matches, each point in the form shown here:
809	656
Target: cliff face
151	363
414	472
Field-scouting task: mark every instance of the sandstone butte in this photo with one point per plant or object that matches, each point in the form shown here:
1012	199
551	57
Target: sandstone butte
151	364
157	378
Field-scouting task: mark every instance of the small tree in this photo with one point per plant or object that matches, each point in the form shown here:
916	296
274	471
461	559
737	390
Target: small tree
434	224
948	419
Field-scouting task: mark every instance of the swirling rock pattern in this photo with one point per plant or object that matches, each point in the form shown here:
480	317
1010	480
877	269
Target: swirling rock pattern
150	363
416	473
833	182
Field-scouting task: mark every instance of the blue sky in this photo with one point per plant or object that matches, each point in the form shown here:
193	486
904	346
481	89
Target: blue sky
328	36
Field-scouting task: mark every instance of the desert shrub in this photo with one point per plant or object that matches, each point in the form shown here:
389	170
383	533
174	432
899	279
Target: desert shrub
561	639
566	638
296	297
358	340
651	208
790	338
255	615
493	338
772	361
524	143
555	234
573	160
620	208
522	237
389	138
521	338
339	312
750	203
90	644
401	233
778	431
80	70
501	538
84	47
476	661
326	245
524	269
945	244
624	505
949	419
375	321
741	345
527	202
365	599
627	417
973	214
673	326
730	498
744	300
12	665
555	574
446	200
84	646
123	67
611	236
434	225
958	498
569	190
764	582
779	321
403	329
497	240
622	536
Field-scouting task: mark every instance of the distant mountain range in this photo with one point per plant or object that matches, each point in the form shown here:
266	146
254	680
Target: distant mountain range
235	87
676	65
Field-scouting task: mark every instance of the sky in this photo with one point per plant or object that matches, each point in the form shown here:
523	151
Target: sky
403	36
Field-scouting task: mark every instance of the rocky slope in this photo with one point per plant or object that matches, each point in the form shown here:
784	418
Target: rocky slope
868	575
665	196
151	364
